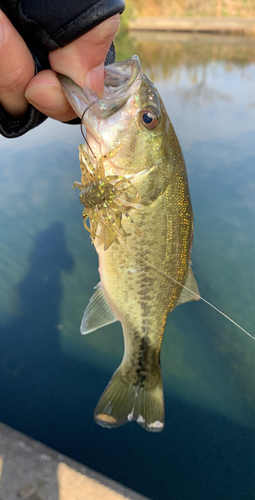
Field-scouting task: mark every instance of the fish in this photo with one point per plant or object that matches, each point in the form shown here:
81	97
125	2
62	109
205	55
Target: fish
135	195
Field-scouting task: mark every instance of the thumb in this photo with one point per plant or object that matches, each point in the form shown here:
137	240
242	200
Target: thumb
83	59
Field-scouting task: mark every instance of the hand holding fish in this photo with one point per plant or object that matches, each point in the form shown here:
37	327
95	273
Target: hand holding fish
83	60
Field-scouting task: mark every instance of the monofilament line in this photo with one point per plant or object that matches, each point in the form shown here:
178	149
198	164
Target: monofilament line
82	116
186	288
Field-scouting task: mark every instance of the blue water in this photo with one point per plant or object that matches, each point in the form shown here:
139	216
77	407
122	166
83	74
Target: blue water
51	377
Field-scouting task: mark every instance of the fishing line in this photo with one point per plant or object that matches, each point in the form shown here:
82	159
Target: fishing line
85	139
186	288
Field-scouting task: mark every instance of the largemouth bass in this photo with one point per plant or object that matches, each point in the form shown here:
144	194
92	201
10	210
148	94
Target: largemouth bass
135	192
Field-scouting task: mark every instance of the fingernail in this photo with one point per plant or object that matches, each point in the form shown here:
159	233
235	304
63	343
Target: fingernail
1	28
47	97
95	79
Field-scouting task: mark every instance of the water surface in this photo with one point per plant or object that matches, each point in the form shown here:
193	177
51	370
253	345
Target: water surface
51	377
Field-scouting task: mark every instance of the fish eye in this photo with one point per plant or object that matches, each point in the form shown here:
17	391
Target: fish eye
149	118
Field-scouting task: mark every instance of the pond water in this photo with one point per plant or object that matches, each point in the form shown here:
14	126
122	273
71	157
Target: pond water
51	377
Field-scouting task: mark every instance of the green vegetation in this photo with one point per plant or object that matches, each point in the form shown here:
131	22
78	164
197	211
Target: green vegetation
178	8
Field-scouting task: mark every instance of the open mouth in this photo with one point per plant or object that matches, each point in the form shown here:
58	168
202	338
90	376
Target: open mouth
119	79
119	76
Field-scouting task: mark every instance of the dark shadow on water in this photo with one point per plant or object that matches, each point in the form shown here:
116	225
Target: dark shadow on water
51	397
30	346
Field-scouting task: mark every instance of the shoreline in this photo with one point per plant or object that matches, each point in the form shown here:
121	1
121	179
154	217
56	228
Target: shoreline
194	36
31	470
240	26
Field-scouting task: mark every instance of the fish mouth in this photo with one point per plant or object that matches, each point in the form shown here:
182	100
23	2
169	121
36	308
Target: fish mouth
119	81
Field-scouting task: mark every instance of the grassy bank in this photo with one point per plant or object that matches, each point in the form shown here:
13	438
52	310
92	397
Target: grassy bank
180	8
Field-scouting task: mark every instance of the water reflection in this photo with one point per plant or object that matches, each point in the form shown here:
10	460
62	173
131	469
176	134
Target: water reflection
162	54
200	93
50	376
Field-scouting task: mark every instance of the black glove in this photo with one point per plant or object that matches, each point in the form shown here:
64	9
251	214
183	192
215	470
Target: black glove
46	25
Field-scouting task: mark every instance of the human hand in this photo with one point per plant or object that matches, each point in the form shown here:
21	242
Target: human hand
81	60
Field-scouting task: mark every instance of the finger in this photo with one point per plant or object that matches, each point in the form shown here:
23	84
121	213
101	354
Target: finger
45	93
82	60
16	68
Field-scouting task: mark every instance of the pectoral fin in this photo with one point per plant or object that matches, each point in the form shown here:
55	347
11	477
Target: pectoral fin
192	293
97	313
109	237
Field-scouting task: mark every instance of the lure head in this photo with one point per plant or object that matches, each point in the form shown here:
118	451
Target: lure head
97	194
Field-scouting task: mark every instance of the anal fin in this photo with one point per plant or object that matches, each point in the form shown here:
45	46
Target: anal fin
97	313
191	291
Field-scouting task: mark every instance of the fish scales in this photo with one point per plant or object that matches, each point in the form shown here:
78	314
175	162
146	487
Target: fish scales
142	229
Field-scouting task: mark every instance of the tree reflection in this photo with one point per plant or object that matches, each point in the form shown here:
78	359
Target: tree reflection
164	54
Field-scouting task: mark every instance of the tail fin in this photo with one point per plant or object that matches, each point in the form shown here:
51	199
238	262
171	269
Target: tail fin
123	401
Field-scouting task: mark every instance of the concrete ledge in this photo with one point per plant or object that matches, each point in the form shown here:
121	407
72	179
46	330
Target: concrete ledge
30	470
200	24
